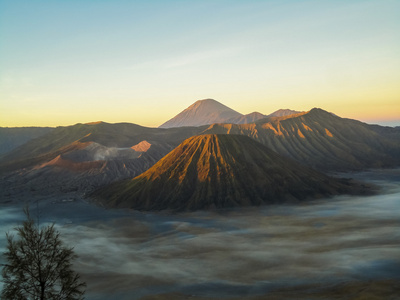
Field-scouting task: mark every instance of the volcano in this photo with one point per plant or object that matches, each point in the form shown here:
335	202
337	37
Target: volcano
220	171
202	112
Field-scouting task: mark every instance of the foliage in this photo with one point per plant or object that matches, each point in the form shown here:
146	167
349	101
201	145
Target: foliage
39	266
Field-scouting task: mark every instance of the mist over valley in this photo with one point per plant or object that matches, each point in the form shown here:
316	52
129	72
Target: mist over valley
334	246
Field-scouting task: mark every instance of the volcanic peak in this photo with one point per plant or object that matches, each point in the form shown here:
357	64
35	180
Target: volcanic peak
202	112
216	171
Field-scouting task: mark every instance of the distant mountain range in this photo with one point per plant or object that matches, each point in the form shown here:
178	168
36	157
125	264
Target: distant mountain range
322	140
210	111
83	157
283	113
316	138
244	119
219	171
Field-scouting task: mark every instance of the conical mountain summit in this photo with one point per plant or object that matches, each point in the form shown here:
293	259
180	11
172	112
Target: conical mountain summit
218	171
202	112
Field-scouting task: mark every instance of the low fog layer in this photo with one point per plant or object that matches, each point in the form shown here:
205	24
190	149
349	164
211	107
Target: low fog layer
127	255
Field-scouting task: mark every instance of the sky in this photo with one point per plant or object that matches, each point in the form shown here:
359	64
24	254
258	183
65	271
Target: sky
77	61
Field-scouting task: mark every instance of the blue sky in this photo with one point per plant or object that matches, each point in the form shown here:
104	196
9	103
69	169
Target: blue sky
63	62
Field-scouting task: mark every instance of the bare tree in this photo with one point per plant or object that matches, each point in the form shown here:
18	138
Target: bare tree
39	266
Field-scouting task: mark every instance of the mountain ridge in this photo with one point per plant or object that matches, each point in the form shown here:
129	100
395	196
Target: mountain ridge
283	113
13	137
245	119
304	137
210	111
317	139
321	140
220	171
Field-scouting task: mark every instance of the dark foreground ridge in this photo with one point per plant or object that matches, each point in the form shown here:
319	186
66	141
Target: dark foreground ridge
220	171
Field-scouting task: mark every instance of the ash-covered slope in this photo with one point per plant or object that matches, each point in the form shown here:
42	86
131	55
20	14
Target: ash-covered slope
78	168
217	171
120	135
202	112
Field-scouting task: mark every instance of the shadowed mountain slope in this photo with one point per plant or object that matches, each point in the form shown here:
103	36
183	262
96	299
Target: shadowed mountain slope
202	112
80	168
12	137
322	140
316	138
120	135
83	157
217	171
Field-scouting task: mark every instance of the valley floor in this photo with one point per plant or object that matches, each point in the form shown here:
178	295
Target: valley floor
338	248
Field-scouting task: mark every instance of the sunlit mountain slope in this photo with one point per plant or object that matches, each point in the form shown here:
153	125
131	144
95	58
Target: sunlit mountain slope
322	140
216	171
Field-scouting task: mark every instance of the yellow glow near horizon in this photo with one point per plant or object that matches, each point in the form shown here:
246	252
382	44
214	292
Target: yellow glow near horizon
366	111
146	65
